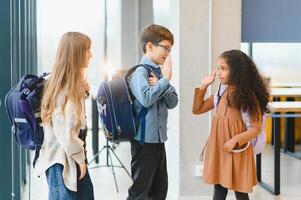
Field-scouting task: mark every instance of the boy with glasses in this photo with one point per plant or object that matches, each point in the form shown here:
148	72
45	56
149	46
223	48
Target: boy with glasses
154	92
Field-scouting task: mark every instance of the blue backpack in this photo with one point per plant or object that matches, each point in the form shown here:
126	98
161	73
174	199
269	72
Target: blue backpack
22	104
115	107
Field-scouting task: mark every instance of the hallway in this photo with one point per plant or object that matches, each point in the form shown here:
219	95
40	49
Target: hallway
104	186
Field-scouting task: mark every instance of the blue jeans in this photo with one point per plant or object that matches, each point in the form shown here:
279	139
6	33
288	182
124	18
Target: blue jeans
58	190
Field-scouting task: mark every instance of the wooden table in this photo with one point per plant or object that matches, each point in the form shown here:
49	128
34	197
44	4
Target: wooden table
285	85
285	106
287	92
290	94
275	108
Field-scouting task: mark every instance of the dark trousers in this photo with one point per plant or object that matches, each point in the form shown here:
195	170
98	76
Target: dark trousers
220	193
84	186
149	172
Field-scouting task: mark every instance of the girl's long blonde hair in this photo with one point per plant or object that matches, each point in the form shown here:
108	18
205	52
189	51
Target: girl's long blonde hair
68	74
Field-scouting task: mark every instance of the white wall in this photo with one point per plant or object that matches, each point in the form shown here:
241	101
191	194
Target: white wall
114	37
130	33
125	20
190	58
225	28
173	126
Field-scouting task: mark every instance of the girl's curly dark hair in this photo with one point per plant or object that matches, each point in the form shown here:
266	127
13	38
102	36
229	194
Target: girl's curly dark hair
251	91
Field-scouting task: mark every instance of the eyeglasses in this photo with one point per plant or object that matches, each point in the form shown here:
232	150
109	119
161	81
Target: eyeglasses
167	48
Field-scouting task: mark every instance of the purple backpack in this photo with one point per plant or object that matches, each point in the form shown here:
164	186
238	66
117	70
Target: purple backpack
22	104
259	141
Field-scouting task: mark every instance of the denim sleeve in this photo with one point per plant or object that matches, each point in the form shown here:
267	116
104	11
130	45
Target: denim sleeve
145	94
170	97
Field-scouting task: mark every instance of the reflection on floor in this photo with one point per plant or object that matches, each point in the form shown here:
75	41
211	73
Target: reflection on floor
104	185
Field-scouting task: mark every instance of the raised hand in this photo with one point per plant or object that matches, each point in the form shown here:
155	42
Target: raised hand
208	80
166	68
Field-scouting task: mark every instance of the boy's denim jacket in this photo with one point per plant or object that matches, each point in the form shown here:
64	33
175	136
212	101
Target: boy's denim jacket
157	99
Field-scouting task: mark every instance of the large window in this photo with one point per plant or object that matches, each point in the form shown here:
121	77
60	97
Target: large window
161	12
281	62
56	17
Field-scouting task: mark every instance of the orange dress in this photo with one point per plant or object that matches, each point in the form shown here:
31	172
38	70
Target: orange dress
235	171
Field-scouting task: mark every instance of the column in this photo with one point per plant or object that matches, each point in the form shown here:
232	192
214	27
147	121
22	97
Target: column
203	29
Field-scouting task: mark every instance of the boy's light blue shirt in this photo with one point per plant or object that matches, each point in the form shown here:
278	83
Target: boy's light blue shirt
157	99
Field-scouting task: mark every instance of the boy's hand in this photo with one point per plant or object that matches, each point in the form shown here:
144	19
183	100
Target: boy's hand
152	80
208	80
166	68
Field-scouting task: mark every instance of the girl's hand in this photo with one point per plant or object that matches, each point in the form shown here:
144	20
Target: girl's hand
83	170
208	80
86	86
152	80
230	145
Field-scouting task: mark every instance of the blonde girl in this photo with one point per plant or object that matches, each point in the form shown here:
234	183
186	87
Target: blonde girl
62	156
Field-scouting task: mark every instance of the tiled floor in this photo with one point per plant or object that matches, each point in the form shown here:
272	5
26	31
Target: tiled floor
104	185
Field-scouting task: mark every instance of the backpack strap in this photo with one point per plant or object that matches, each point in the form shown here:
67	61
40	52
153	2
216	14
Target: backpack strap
143	112
36	156
44	75
219	96
131	70
38	137
142	116
28	111
20	83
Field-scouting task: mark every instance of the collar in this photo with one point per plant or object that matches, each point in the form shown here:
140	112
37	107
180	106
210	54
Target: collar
153	66
147	61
